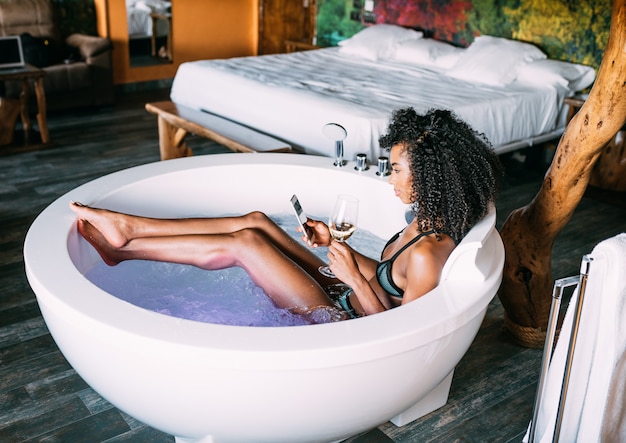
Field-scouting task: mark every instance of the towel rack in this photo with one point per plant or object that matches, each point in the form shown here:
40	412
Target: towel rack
559	286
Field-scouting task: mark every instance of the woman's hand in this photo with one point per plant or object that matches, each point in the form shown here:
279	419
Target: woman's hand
318	233
342	262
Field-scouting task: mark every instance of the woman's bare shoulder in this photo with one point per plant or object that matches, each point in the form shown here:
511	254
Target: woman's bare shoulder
430	254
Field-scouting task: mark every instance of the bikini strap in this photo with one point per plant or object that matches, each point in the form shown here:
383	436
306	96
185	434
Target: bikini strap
392	239
409	243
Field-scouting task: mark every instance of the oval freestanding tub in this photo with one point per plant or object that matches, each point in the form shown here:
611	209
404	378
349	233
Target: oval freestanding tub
205	382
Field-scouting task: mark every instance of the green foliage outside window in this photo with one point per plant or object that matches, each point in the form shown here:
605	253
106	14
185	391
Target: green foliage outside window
576	31
572	30
334	23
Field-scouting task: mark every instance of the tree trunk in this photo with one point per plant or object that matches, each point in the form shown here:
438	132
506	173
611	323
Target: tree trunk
609	172
529	232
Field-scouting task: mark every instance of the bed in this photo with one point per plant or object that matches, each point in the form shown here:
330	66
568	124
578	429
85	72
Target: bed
506	89
140	21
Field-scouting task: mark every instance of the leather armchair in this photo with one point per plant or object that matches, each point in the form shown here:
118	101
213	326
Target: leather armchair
83	80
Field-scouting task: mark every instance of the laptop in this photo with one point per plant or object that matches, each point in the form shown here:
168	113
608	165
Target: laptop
11	54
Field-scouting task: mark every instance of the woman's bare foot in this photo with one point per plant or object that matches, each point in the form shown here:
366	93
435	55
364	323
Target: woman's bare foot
111	225
109	254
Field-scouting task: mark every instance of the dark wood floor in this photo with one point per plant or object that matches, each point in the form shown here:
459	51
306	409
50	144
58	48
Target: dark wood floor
43	399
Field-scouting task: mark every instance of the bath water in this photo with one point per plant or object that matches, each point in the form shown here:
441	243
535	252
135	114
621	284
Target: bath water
226	296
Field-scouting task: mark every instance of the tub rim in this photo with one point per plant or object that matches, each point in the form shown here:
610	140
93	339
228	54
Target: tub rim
351	341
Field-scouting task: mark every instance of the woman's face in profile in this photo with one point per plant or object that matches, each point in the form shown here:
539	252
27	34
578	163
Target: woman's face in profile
401	177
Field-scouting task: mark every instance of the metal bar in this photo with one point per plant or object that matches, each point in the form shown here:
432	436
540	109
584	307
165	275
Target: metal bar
557	292
582	286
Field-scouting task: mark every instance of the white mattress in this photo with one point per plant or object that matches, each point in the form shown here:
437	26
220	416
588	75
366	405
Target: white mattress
292	96
139	20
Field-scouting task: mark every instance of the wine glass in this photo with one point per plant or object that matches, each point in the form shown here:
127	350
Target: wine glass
342	223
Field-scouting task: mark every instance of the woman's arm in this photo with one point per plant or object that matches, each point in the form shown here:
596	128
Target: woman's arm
422	275
320	235
357	271
423	267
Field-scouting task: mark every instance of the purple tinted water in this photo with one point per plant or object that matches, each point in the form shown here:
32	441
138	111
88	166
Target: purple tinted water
226	296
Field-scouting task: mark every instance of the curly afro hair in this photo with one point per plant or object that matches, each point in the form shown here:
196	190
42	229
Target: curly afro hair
454	169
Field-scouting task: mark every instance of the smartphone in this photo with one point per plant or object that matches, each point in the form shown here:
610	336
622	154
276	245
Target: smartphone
300	215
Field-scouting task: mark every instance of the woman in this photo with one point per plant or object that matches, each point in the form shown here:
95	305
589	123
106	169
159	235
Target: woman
439	165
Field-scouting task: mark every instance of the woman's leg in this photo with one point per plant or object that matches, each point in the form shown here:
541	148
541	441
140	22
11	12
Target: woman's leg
119	229
280	277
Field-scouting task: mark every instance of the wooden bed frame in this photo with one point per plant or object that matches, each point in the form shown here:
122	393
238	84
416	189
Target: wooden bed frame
176	121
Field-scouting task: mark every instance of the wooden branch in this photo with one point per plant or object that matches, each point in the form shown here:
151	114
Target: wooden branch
609	172
529	232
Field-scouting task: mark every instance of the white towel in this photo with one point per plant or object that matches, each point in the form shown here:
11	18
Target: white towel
600	343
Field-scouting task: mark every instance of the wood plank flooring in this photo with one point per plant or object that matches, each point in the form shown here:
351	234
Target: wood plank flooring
42	399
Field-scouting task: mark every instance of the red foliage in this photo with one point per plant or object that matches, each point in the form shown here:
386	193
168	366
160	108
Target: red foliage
445	18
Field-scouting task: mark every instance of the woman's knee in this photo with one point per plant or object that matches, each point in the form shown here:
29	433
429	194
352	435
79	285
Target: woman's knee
250	237
257	219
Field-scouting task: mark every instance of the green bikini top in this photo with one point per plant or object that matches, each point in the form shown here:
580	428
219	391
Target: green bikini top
383	270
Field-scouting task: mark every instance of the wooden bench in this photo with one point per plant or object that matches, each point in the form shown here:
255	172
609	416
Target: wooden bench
176	121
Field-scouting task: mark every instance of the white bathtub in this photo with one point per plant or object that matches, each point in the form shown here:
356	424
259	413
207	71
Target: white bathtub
214	383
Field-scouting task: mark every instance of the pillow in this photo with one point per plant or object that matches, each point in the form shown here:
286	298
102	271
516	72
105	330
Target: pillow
377	41
427	52
570	75
494	60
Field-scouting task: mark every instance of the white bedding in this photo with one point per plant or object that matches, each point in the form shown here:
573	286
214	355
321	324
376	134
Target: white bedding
139	20
292	96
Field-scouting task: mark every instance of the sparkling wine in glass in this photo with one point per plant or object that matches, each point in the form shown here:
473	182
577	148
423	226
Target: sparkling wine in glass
342	223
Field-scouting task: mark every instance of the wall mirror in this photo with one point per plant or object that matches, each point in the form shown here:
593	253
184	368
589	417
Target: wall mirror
149	32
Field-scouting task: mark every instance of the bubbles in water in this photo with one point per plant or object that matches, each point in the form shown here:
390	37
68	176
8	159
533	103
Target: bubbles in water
226	296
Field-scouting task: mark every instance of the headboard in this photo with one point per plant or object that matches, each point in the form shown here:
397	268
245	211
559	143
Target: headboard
575	31
560	28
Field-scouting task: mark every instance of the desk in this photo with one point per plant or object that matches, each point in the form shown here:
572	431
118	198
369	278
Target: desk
27	74
167	17
299	45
